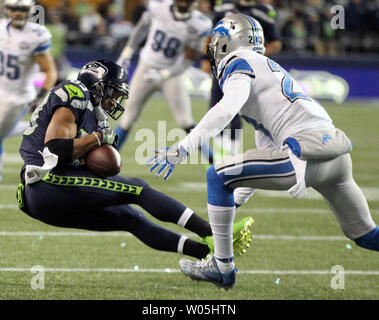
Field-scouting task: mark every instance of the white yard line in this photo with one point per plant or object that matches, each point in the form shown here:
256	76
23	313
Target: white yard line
169	270
127	234
255	210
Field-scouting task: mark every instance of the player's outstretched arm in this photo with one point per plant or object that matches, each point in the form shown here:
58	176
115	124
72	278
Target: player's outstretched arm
136	38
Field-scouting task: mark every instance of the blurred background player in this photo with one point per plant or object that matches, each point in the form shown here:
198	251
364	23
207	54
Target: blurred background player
265	14
176	37
24	51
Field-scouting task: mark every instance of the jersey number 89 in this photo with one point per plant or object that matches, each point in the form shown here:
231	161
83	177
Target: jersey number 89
169	48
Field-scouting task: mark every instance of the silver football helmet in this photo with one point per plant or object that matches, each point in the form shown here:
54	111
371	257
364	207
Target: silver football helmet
234	32
24	7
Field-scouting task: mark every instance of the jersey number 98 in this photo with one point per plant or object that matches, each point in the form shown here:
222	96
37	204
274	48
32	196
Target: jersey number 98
169	47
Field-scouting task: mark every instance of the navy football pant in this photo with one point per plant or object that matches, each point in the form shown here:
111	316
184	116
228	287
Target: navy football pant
76	198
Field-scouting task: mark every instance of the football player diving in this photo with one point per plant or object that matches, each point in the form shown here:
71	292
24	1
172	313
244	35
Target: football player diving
176	34
24	51
298	146
58	189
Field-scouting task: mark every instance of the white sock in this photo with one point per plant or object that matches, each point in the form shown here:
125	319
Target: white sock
221	221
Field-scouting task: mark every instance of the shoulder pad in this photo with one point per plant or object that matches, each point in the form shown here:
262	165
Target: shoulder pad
233	65
73	93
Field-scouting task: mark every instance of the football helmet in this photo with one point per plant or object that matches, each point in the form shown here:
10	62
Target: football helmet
234	32
182	9
23	8
107	83
245	3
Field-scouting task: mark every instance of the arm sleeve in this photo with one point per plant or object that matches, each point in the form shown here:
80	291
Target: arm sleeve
140	31
218	117
43	41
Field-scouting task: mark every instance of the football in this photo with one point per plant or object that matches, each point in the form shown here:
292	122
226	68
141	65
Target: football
104	161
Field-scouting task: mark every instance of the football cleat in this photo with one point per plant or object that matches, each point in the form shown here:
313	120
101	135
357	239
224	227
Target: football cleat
207	270
242	237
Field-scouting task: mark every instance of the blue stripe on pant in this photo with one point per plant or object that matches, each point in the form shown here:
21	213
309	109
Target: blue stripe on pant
256	170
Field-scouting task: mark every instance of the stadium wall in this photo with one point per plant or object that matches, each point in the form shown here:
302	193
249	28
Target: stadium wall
361	75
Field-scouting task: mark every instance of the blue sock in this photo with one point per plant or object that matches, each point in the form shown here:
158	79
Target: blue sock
369	240
122	136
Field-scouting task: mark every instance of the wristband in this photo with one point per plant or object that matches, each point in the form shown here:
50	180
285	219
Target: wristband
97	137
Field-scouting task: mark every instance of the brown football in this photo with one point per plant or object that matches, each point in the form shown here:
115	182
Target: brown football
104	161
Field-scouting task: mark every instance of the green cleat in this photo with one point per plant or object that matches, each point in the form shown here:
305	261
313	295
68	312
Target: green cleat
242	237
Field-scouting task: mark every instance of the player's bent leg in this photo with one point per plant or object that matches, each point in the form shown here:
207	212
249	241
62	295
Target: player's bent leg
268	169
370	240
84	212
335	183
10	116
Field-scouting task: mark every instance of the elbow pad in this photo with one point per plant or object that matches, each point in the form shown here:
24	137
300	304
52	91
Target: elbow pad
63	148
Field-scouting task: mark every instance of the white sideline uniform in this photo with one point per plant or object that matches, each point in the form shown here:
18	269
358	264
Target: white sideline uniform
275	105
165	47
18	69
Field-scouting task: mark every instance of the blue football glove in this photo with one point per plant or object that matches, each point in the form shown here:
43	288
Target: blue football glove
167	158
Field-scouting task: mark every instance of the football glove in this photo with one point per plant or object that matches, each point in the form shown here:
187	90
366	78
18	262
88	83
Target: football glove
167	158
125	58
108	136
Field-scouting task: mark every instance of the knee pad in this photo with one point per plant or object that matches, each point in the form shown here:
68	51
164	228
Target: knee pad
218	193
369	240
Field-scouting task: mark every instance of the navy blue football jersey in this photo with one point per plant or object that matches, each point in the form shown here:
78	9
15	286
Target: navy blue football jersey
70	94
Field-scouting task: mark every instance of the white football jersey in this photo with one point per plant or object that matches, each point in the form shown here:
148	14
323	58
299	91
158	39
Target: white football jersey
168	37
277	105
17	65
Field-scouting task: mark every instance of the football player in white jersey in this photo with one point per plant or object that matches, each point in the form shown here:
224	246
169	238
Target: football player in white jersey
297	147
176	33
24	50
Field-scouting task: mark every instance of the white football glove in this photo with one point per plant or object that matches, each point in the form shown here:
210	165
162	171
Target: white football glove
168	157
125	58
108	135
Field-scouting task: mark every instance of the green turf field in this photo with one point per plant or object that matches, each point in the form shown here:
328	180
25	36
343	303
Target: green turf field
296	244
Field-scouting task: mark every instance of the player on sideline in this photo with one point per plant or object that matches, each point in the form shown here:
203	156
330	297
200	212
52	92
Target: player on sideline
176	35
24	49
298	146
57	189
